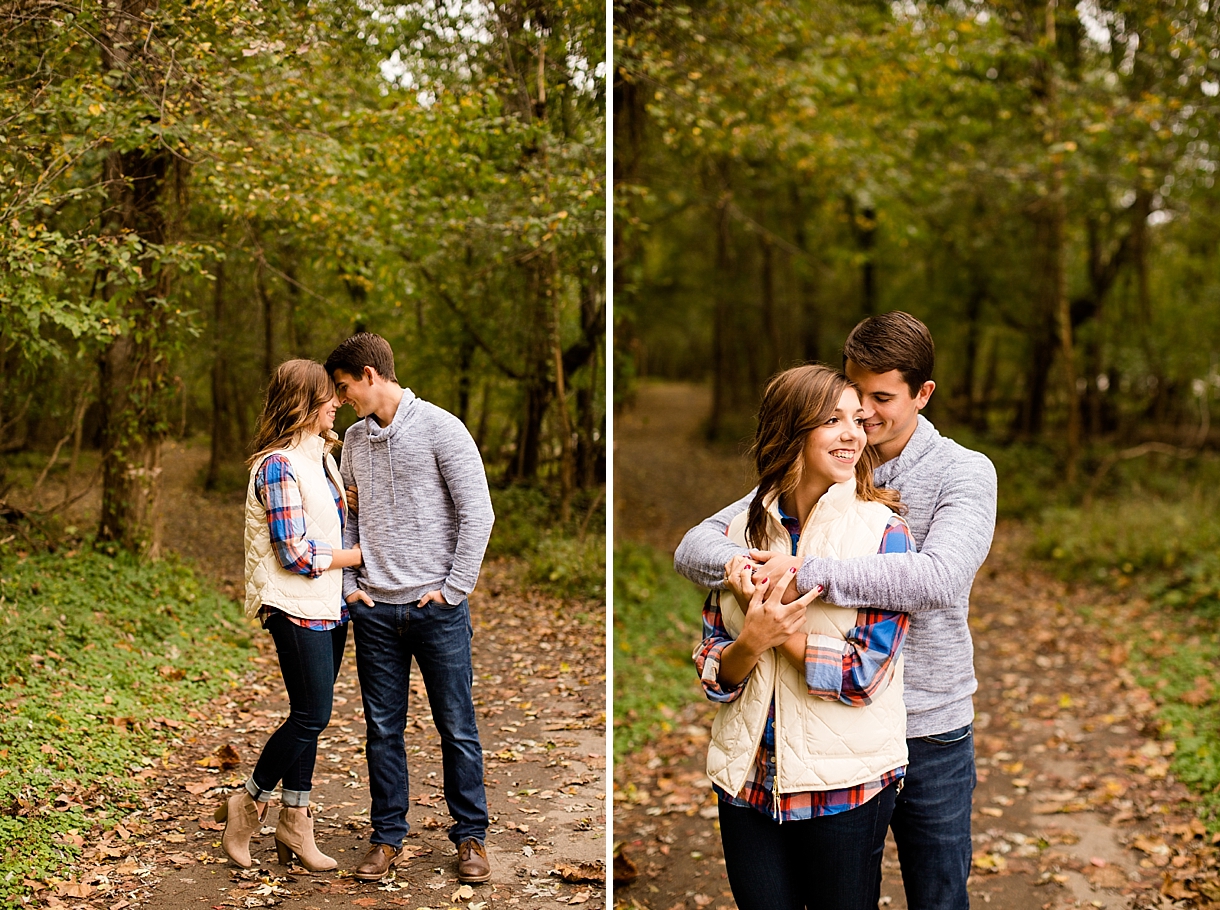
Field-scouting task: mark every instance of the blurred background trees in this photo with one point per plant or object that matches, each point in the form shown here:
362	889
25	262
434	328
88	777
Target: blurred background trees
192	193
1035	180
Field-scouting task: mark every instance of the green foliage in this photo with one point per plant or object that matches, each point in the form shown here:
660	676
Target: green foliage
521	514
1174	671
97	653
1158	534
570	566
784	169
1157	528
269	179
656	626
569	560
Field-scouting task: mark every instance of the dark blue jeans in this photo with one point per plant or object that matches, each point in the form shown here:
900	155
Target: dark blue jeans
931	820
309	663
824	863
437	636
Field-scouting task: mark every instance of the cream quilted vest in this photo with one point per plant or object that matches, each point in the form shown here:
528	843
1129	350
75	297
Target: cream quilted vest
267	582
820	745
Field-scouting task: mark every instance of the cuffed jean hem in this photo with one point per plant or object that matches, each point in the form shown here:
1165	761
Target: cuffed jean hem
298	799
257	792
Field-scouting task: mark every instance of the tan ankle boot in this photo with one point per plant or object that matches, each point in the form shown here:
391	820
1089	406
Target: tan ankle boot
242	821
294	835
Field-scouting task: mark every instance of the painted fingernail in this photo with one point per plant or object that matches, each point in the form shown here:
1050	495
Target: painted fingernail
793	569
820	589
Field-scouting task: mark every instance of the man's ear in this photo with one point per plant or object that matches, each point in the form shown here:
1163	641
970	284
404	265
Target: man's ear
369	374
925	392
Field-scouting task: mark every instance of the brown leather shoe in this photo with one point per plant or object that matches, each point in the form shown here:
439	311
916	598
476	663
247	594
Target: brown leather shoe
380	859
472	862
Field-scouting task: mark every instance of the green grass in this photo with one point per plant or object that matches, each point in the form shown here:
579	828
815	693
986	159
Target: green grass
1173	671
96	653
656	626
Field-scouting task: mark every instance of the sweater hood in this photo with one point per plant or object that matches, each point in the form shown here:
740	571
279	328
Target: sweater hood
378	435
402	418
923	441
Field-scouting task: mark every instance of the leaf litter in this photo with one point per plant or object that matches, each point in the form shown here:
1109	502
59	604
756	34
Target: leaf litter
539	694
1076	804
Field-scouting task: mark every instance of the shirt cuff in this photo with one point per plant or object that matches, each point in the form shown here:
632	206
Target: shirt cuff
711	671
323	556
824	666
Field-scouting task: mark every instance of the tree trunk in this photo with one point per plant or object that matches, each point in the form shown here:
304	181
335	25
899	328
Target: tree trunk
974	308
132	388
810	319
722	331
868	277
589	444
538	384
260	286
465	360
770	319
223	445
1057	279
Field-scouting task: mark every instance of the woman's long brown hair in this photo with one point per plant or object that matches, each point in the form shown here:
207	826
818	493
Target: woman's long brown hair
794	403
298	389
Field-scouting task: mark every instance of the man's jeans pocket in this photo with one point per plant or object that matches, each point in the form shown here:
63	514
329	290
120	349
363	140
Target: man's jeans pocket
950	738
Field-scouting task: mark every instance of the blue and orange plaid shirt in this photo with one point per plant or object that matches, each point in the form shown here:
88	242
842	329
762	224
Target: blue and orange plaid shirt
275	485
852	676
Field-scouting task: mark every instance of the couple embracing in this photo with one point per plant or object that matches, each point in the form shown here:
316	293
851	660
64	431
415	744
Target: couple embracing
854	556
392	544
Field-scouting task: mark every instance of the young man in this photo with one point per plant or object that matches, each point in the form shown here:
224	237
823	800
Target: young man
424	520
950	492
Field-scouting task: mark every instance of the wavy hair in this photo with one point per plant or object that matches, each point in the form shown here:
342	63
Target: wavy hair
297	390
794	403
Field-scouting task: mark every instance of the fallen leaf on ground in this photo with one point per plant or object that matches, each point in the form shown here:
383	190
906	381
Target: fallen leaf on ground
580	872
225	758
625	871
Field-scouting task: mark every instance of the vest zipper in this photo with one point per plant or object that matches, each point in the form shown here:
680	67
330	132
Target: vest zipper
776	657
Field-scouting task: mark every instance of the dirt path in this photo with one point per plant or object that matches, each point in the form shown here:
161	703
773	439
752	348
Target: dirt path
1074	807
540	697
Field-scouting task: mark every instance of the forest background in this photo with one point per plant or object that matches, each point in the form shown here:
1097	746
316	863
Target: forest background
191	193
1034	180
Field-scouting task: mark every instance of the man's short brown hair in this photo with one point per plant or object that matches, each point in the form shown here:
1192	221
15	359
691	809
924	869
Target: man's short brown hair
363	350
893	341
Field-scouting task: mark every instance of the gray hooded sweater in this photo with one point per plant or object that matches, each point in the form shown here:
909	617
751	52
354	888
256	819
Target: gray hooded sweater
425	512
951	494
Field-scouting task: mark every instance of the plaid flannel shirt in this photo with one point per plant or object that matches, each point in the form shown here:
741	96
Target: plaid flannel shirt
276	487
851	676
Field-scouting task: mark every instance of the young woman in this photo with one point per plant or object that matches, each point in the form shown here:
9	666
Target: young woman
808	748
295	514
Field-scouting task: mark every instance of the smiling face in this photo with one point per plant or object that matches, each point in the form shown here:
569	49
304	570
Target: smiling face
356	391
832	449
326	415
891	412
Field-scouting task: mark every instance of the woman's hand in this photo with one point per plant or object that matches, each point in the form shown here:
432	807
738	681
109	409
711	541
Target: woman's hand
739	579
769	623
